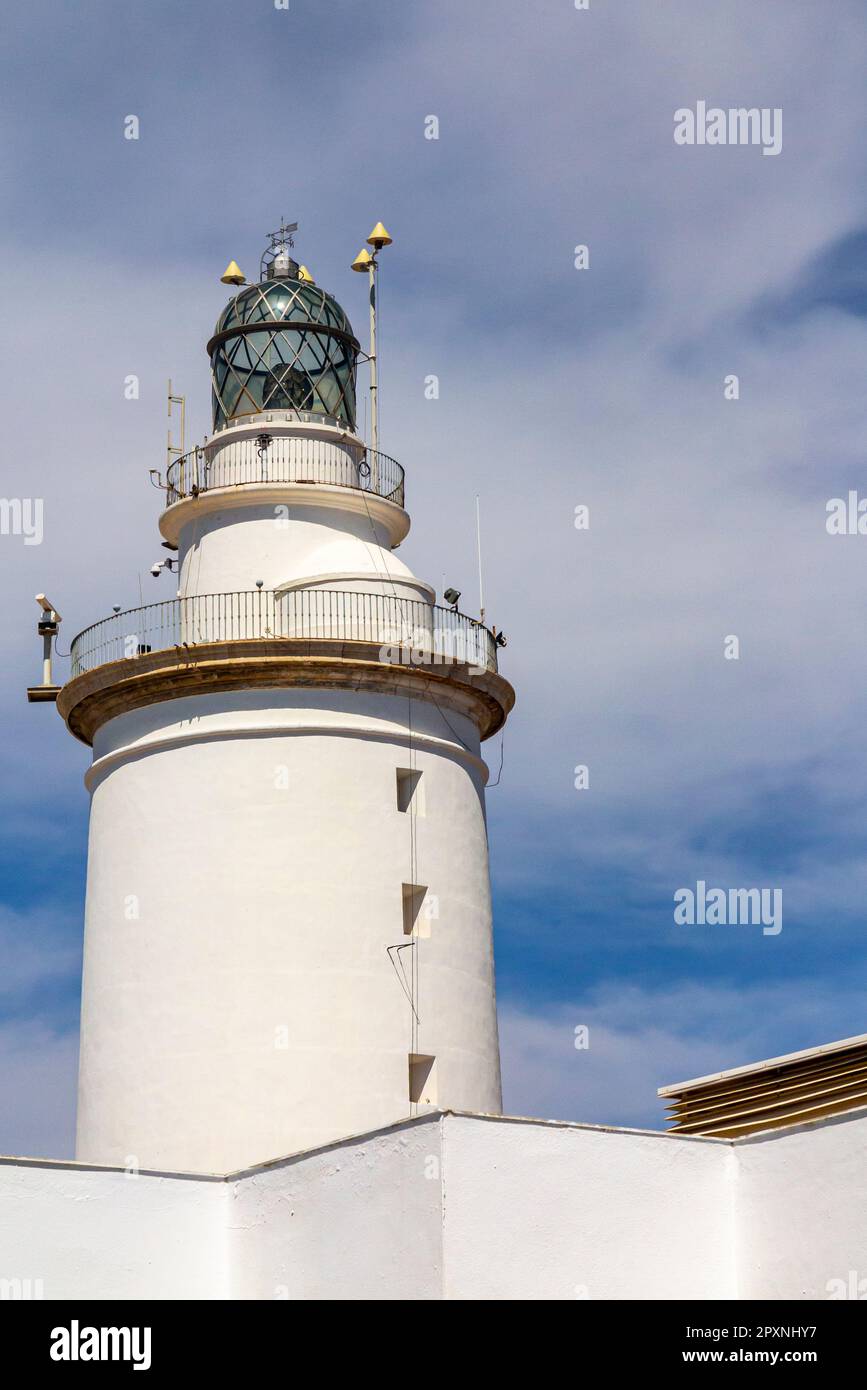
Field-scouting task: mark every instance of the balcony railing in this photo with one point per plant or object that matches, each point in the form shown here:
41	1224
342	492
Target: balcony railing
284	460
409	631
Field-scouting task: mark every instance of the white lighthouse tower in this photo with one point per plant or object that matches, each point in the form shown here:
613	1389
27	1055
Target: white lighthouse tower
288	917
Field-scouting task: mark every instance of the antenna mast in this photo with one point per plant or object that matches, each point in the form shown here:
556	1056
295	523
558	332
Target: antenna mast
176	451
479	554
367	264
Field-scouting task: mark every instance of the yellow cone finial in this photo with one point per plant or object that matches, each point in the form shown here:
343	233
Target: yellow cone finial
379	237
304	274
362	260
233	274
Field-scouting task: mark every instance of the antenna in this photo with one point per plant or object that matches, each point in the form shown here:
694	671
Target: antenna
176	451
479	553
367	264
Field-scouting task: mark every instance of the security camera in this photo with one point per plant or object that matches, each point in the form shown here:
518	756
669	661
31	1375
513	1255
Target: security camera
452	596
155	569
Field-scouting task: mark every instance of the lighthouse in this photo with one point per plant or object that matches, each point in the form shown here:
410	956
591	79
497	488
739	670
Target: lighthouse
288	996
288	932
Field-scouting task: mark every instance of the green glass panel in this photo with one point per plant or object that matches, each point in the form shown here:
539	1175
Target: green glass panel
285	367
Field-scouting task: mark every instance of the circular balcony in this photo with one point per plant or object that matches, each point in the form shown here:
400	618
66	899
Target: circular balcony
331	639
267	458
408	631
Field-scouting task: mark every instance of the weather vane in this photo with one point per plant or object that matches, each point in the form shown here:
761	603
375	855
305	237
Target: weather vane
283	237
276	254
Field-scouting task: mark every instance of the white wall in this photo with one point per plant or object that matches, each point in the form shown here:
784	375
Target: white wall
361	1220
459	1207
536	1210
249	539
231	536
245	873
466	1207
94	1233
802	1209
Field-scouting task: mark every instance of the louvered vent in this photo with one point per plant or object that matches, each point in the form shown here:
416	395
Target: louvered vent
768	1095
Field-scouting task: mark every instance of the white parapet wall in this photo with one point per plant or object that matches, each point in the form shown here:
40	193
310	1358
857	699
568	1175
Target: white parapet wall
69	1231
471	1207
549	1211
457	1206
801	1216
362	1219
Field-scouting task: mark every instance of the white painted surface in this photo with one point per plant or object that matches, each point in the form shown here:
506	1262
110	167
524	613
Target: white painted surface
247	859
244	528
245	874
541	1211
361	1220
459	1207
802	1209
228	542
87	1233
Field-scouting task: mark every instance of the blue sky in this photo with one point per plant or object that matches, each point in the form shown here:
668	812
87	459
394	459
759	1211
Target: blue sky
601	387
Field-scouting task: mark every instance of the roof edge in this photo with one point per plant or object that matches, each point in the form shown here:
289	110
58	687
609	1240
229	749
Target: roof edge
755	1068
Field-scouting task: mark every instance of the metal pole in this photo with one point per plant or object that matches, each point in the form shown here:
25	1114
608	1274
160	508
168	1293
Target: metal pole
479	552
46	658
374	416
174	451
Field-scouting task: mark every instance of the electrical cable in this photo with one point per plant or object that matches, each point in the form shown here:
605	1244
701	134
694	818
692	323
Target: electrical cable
491	785
414	991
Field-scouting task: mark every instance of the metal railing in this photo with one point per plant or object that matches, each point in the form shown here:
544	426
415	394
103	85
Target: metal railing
284	460
409	631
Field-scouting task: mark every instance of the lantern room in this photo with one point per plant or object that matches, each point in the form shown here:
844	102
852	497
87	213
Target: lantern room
282	344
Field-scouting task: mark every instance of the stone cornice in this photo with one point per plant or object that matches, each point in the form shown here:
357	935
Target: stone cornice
91	699
389	515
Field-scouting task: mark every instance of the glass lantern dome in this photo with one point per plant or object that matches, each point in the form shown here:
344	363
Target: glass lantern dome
284	344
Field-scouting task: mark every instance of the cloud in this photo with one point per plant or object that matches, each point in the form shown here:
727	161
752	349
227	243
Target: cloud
38	1072
40	952
641	1039
36	952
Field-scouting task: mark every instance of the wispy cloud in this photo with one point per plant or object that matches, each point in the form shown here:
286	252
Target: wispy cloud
641	1038
38	1071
